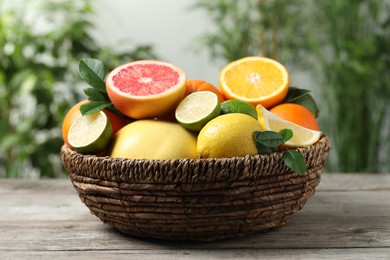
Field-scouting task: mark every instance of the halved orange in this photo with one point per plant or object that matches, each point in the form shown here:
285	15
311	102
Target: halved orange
257	80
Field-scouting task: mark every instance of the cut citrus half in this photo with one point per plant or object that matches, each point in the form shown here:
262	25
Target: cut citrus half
90	134
238	106
146	88
117	121
196	109
301	136
257	80
70	117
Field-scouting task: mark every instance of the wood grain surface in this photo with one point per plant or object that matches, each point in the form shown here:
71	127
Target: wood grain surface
347	218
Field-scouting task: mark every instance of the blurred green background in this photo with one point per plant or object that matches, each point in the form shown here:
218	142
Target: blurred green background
341	47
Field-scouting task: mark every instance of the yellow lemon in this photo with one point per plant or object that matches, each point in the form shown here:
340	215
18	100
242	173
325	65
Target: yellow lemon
228	135
153	139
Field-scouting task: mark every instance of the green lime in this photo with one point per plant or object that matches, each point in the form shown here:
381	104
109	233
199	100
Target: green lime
238	106
90	134
196	109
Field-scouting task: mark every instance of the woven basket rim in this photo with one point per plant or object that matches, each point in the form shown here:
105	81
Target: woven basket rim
323	140
186	169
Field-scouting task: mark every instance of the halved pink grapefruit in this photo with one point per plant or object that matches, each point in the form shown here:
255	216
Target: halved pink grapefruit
146	88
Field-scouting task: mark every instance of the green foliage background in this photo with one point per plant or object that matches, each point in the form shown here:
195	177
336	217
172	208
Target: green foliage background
39	79
342	45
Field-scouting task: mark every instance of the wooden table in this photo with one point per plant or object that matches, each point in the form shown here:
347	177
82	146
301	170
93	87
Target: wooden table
347	218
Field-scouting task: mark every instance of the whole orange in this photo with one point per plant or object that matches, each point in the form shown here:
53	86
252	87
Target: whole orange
194	85
117	121
297	114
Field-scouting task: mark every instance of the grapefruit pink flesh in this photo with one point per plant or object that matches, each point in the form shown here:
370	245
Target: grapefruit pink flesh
145	79
146	89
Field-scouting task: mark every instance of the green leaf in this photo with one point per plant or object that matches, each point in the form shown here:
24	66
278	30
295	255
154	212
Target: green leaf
295	161
93	71
95	95
93	107
263	149
268	138
287	134
302	97
294	92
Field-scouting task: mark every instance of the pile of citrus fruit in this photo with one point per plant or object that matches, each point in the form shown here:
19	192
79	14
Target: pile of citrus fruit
160	114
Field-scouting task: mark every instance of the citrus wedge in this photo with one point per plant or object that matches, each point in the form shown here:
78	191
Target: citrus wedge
296	114
257	80
301	136
196	109
90	134
146	88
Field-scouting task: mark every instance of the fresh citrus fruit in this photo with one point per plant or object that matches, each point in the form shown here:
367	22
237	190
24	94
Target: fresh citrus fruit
297	114
194	85
117	121
90	134
302	136
146	88
238	106
196	109
257	80
70	117
153	139
228	135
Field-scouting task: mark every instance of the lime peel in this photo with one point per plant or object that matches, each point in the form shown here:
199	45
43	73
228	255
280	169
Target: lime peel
90	134
197	109
238	106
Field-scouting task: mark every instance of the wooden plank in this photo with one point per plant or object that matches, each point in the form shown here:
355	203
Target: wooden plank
354	182
343	220
40	200
303	231
349	215
307	233
170	254
46	186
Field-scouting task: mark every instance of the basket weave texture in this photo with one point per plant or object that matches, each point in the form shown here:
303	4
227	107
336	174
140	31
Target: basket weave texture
186	199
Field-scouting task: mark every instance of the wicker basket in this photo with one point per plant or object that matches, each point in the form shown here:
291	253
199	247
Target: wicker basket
185	199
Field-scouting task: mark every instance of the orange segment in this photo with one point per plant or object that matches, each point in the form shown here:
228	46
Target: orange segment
257	80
